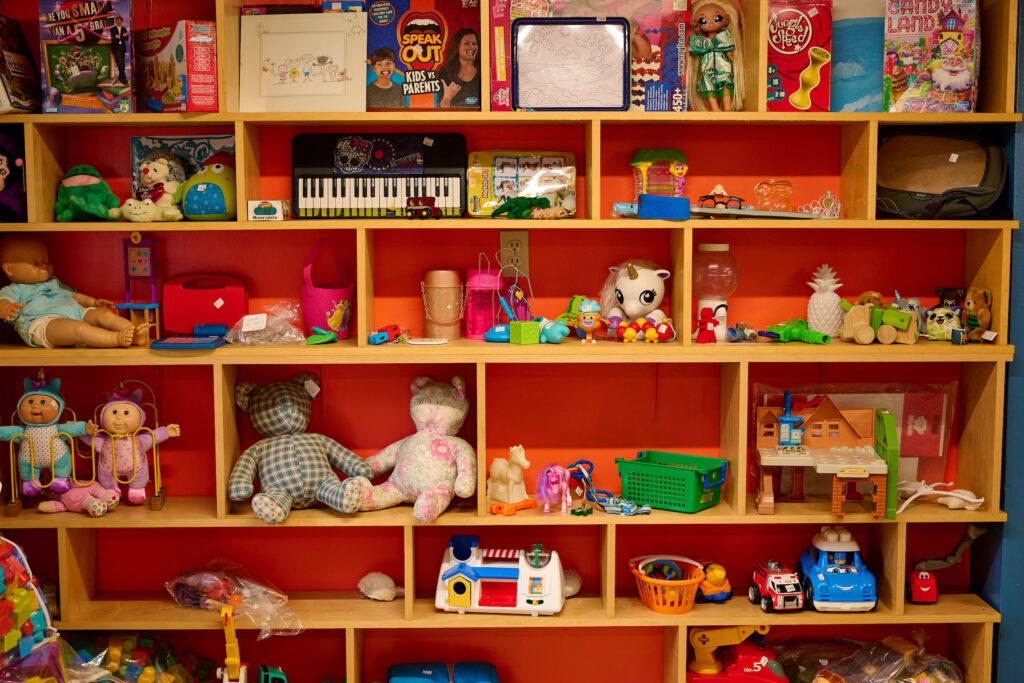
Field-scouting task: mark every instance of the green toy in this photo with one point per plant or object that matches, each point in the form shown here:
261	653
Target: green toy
521	207
210	195
84	196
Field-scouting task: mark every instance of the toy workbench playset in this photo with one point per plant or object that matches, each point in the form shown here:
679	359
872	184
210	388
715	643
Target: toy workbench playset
555	324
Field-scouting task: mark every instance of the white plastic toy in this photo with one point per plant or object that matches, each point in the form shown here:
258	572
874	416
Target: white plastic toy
956	499
501	581
505	483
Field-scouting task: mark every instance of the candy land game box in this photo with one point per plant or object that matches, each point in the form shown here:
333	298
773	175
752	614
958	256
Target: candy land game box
86	56
931	56
657	46
423	54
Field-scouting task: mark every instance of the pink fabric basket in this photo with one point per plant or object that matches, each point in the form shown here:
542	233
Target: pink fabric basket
327	305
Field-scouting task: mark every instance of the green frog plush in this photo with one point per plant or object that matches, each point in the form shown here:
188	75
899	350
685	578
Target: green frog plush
210	194
84	196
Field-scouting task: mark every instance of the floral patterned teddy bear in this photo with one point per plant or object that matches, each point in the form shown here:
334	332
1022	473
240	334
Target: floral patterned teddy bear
427	468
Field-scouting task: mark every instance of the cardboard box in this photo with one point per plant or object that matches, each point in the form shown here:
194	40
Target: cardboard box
85	56
178	67
799	46
19	86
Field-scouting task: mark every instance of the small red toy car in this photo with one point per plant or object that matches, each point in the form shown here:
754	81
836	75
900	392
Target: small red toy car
422	207
775	587
921	588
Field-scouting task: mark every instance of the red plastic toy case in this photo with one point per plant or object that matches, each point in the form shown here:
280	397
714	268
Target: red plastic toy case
203	299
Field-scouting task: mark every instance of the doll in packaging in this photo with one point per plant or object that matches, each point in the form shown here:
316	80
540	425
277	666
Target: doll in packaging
715	69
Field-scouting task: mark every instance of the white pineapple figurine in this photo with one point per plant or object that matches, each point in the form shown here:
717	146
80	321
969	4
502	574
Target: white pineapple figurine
823	312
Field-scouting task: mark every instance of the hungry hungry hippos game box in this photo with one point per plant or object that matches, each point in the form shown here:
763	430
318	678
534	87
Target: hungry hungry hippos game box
85	58
931	56
799	54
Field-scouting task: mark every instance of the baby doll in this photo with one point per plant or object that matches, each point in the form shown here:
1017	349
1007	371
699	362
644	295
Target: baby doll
40	409
553	486
715	67
124	441
45	312
93	500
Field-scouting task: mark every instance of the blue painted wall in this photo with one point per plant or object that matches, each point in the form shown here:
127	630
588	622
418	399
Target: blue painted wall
1005	588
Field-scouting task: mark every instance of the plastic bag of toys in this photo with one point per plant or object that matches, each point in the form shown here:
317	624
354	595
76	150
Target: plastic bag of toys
136	658
22	601
278	324
229	584
802	658
55	660
891	660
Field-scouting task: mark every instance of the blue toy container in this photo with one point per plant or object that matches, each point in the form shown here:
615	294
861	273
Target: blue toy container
434	672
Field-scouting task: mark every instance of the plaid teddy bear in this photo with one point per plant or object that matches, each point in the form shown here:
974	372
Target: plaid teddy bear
294	467
428	468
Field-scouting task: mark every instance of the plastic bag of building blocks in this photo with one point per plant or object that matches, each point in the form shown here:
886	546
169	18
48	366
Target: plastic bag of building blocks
55	660
229	584
134	656
801	658
278	324
924	666
24	617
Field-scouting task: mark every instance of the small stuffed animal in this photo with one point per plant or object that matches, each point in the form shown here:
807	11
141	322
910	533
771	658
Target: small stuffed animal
869	297
210	194
949	297
93	500
145	211
294	467
941	323
429	467
975	316
160	174
84	196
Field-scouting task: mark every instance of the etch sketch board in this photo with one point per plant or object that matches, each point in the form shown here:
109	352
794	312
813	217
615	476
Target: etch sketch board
570	63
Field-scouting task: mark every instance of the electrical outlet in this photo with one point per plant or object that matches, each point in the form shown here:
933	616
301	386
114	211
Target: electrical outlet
514	249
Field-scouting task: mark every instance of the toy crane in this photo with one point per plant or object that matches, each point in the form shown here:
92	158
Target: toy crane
233	670
745	662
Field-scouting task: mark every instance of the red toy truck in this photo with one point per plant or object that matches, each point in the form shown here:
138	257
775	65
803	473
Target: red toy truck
775	587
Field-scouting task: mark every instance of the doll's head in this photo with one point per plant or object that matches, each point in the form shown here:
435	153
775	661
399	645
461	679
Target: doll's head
710	18
24	259
123	413
41	404
161	167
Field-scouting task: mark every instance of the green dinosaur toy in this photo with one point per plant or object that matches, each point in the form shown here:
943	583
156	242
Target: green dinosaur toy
521	207
84	196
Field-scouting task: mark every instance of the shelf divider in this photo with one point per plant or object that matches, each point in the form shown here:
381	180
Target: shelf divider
681	255
733	432
971	646
364	285
481	440
592	140
606	549
225	429
354	655
247	154
77	567
674	667
409	570
44	161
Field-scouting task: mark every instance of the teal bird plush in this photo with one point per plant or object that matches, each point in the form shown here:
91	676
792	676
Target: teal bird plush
210	194
84	196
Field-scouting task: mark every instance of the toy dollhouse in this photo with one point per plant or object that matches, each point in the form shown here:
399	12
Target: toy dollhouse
498	580
814	425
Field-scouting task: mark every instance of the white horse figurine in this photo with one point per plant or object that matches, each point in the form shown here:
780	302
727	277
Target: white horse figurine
633	291
505	477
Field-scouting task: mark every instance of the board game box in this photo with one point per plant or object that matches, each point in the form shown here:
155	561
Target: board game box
658	42
19	88
931	56
799	54
423	54
86	56
858	28
178	67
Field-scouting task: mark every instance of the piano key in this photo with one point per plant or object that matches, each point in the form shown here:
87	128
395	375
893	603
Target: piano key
301	198
375	196
349	197
332	198
318	193
456	190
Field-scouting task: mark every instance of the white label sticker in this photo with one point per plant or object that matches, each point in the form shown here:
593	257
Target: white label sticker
953	157
218	303
680	5
254	323
311	388
429	142
989	335
579	491
813	12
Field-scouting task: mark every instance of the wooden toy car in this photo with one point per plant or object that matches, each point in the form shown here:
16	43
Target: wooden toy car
775	587
421	207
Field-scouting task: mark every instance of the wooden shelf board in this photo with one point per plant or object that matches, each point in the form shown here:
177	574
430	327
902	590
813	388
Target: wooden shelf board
420	118
486	224
345	610
818	510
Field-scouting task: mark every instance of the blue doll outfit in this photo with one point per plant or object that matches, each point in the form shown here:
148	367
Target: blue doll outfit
45	299
40	447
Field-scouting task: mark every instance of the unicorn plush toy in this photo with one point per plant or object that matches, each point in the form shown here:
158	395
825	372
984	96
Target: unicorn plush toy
633	292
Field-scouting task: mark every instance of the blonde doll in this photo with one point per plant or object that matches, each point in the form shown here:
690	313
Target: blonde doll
715	66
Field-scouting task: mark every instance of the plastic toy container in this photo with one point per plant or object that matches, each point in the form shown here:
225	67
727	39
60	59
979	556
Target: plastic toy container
672	481
667	595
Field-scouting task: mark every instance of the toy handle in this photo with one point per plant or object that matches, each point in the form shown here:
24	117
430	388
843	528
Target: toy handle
307	270
638	561
707	477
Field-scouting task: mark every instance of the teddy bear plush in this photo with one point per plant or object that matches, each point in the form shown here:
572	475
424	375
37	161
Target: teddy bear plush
869	297
294	467
975	315
427	468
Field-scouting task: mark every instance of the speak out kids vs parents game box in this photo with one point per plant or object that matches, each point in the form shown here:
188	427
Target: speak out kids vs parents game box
423	54
86	56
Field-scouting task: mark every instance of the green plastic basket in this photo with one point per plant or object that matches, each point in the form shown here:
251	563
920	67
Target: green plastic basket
672	481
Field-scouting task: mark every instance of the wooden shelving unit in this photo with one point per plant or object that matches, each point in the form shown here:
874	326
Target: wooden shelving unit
982	259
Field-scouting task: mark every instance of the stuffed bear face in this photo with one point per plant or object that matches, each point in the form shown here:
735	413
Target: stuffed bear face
976	300
950	297
941	323
279	408
437	407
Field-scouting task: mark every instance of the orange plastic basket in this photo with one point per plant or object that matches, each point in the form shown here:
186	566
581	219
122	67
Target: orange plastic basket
668	596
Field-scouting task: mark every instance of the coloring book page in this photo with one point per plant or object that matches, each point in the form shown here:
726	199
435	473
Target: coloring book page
304	62
568	66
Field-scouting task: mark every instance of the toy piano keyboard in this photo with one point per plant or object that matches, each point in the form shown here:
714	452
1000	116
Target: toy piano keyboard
376	175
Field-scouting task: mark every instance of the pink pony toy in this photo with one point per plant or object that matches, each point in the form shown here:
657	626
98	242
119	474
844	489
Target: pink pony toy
552	486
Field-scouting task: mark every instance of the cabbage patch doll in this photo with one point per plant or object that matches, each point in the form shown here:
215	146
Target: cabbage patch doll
40	446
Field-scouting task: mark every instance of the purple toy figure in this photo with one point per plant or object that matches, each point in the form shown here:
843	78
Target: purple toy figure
552	486
94	500
122	419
